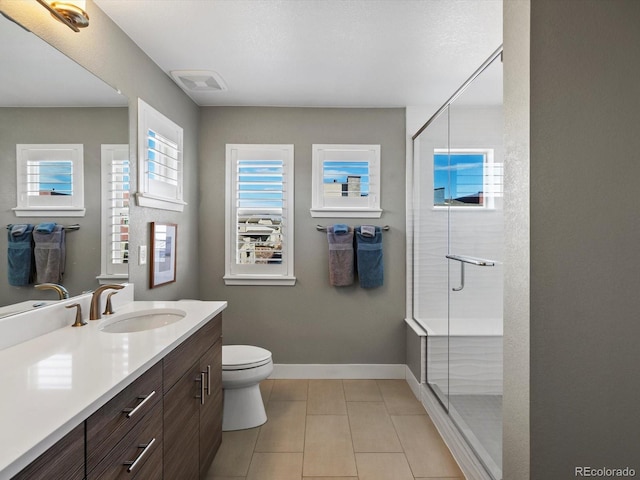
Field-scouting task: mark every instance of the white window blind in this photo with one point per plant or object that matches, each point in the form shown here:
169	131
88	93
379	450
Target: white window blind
160	163
115	210
346	181
49	180
259	214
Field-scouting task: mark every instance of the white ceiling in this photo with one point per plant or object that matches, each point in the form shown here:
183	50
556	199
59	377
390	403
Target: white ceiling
345	53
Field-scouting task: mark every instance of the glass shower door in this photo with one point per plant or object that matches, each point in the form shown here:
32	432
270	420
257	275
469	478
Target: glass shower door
431	226
475	253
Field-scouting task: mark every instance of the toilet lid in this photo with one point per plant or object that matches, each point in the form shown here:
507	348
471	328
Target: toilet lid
241	357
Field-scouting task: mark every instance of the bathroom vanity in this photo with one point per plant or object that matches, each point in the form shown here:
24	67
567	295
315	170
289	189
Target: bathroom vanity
85	403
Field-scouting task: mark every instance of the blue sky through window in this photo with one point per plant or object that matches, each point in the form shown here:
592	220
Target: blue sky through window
260	183
458	174
335	171
55	177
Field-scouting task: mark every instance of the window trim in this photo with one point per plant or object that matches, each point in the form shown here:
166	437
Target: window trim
150	118
108	152
488	171
51	209
370	154
252	276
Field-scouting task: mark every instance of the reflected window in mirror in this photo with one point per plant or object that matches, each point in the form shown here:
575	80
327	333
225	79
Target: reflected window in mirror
115	212
50	180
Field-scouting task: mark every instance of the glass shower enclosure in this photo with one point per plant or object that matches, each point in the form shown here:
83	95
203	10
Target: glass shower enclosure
458	252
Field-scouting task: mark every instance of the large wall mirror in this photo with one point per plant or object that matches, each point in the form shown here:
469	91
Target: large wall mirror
46	98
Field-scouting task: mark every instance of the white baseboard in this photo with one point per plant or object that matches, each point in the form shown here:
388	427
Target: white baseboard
338	371
462	453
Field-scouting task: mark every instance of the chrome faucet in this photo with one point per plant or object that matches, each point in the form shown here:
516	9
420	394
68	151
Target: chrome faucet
63	293
94	311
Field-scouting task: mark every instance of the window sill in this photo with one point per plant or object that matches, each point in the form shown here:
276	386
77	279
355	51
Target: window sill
259	280
151	201
49	211
106	279
346	212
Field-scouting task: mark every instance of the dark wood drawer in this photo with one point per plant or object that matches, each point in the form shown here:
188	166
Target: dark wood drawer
64	460
108	425
190	351
130	448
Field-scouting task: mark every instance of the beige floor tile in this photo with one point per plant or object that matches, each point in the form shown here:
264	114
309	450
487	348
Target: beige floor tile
265	390
329	478
290	390
235	453
224	478
399	398
326	397
361	391
328	450
440	478
284	430
383	466
275	466
371	428
425	450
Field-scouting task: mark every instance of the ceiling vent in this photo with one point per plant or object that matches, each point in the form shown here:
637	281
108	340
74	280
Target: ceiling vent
199	80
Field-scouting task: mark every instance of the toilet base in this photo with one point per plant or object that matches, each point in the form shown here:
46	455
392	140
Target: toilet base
243	408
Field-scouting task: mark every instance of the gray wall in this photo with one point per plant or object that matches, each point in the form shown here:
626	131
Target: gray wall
106	51
310	322
585	233
91	127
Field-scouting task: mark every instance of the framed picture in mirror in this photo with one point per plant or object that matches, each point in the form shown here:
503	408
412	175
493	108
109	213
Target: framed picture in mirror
163	253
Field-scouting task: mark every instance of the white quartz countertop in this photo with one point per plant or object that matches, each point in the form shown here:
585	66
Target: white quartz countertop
53	382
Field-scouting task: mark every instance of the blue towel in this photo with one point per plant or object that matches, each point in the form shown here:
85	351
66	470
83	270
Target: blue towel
49	253
45	227
20	255
340	229
369	258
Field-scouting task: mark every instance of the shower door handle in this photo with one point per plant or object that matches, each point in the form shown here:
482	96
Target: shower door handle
480	262
457	289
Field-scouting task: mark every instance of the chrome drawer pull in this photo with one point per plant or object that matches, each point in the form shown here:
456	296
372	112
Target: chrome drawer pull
132	411
208	379
146	448
202	387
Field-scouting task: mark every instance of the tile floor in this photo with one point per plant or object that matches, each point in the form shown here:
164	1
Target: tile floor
337	430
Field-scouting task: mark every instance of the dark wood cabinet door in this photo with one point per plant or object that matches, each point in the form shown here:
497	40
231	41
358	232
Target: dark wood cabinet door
181	418
63	461
211	408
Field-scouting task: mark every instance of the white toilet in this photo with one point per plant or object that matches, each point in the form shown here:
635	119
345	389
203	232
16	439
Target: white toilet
243	368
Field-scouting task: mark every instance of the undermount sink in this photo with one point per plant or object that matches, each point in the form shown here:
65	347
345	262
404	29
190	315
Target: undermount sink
142	320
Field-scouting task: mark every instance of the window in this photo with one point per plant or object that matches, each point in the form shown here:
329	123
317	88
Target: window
115	212
346	181
160	160
465	178
259	215
49	180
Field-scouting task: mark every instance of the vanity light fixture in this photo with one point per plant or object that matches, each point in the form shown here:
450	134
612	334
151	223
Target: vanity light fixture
72	15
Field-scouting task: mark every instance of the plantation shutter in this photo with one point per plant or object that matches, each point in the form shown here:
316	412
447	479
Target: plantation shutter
260	206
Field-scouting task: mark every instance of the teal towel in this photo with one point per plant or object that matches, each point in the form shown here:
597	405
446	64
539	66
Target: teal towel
20	255
45	227
369	257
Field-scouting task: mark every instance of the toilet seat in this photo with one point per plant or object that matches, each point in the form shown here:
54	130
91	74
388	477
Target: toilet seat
244	357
